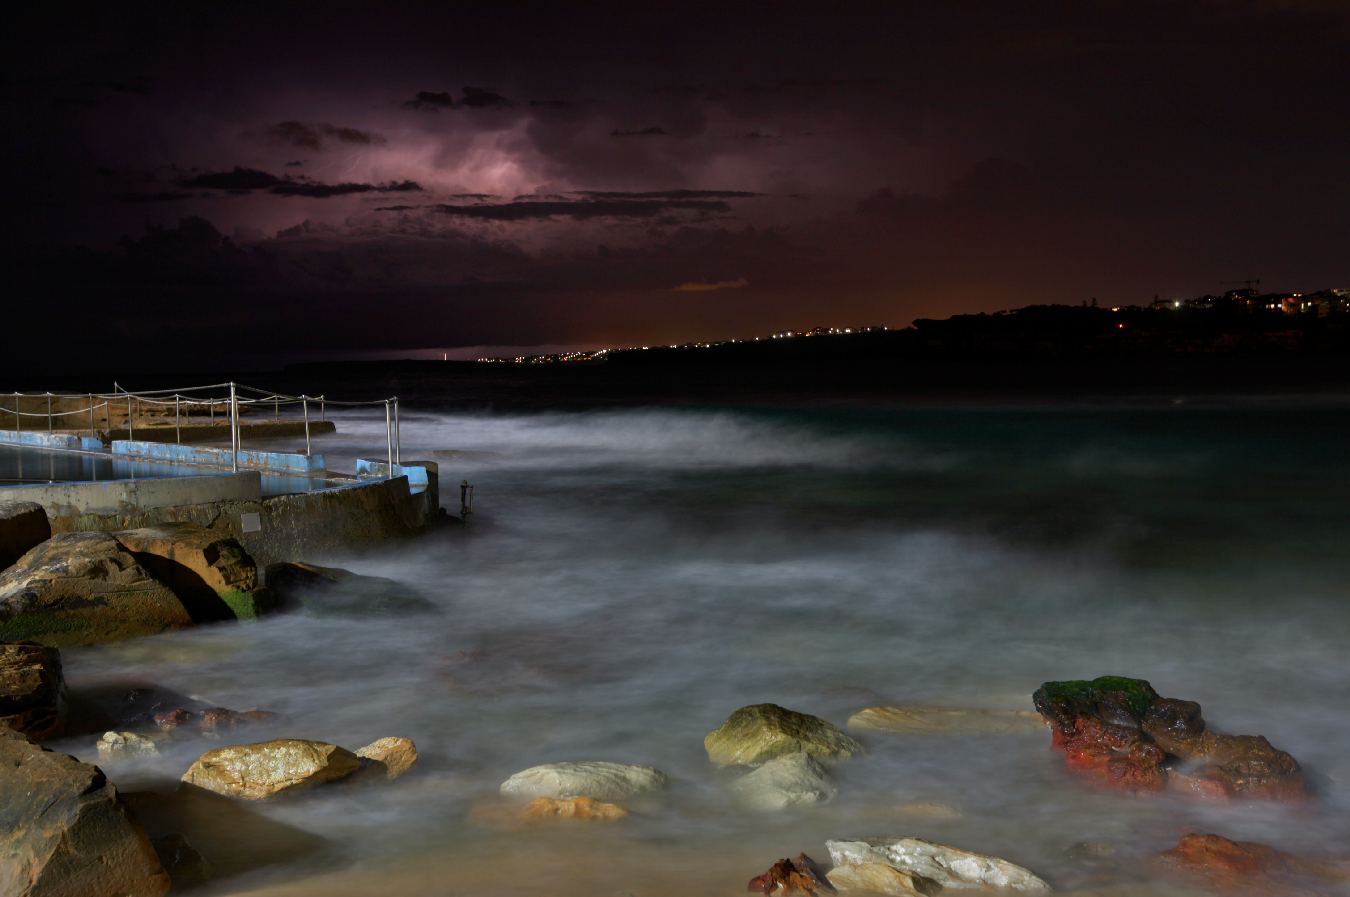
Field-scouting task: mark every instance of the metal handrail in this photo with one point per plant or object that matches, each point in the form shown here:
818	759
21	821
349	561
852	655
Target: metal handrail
183	397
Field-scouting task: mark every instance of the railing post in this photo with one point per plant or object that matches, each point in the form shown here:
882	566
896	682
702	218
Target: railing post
130	426
389	433
304	407
177	420
398	436
234	428
276	408
18	422
323	413
211	410
49	412
92	430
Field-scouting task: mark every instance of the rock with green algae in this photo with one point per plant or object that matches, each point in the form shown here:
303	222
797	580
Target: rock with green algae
84	589
760	732
201	563
1123	733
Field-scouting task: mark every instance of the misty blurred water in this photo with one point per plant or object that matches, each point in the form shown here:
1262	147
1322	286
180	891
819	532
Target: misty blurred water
631	577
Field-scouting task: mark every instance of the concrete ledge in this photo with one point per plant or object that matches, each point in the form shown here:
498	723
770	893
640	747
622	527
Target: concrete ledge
303	527
418	474
51	440
219	457
123	497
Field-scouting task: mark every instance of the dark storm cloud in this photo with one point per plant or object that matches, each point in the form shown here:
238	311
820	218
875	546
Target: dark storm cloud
478	98
247	180
642	132
669	194
156	196
430	101
528	210
304	135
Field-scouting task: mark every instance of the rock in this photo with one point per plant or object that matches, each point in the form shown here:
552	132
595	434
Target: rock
201	565
1245	867
114	745
760	732
262	770
1122	733
82	589
789	781
32	690
574	808
185	865
946	721
332	590
65	833
949	867
597	779
795	876
395	755
23	526
878	878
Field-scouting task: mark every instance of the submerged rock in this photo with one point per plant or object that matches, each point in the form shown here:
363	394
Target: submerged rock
573	808
338	592
598	779
393	754
65	833
184	863
23	526
791	876
268	768
202	566
792	780
32	690
946	721
879	878
949	867
758	733
83	589
1245	867
114	745
1121	732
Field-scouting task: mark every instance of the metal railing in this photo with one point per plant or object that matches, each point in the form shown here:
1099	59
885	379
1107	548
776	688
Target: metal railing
233	398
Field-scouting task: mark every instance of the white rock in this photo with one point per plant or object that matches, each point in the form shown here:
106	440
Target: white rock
950	867
122	744
788	781
595	778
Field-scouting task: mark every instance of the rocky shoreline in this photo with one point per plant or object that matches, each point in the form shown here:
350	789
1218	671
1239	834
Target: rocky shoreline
65	829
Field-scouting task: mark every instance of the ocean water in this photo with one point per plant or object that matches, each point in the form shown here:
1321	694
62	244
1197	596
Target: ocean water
630	577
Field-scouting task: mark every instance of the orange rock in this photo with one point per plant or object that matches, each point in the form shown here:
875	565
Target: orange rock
575	808
1249	868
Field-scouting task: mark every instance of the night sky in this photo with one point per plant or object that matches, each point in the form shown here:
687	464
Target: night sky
257	184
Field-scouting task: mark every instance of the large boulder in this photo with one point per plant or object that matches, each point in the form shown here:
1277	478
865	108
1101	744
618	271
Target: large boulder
1123	733
949	867
82	589
758	733
64	832
200	563
262	770
23	526
32	690
792	780
596	778
333	591
945	721
879	878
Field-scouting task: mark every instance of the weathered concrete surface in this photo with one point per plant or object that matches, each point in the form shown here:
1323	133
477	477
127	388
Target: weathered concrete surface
112	497
291	462
44	439
23	525
186	556
293	527
32	690
65	833
83	589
